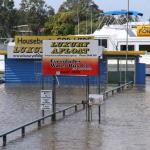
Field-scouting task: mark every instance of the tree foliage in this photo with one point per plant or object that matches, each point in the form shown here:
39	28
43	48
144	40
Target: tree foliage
7	13
35	13
74	17
60	24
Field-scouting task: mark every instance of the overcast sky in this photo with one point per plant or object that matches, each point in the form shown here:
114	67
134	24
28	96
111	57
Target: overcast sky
108	5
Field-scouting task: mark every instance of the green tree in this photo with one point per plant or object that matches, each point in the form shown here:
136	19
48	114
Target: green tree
60	24
73	16
35	14
81	8
9	4
6	14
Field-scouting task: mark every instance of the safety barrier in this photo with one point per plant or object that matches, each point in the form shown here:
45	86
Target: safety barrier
38	121
117	89
75	107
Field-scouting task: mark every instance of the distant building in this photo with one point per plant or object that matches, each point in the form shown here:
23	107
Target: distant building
22	30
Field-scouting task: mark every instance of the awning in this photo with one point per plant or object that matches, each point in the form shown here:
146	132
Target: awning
123	53
123	12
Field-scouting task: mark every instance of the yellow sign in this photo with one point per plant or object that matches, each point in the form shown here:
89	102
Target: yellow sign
63	47
29	50
36	41
30	47
143	30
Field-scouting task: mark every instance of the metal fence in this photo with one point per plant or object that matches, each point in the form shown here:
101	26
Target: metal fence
74	108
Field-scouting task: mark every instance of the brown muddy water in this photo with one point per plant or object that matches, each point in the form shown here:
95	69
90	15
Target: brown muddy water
125	123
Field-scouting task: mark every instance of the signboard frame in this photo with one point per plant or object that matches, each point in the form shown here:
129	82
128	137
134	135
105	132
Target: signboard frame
71	57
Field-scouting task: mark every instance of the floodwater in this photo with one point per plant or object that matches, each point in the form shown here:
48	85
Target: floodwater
125	123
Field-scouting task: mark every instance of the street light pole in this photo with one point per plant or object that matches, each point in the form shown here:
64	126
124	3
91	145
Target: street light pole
91	18
86	23
78	17
127	41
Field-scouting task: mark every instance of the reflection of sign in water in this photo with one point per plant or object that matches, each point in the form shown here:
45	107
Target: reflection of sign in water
46	99
96	99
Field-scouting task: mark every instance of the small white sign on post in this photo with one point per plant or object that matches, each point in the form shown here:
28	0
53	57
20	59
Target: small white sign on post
46	99
96	99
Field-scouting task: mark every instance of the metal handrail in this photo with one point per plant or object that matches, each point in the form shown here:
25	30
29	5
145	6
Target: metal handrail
117	88
4	135
22	128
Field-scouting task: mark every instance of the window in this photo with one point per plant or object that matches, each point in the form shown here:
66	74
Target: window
144	48
102	42
124	48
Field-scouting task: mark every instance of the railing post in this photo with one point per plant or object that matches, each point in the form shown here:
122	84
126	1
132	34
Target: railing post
43	114
83	106
39	124
75	108
106	95
64	113
4	140
23	131
83	103
112	92
99	112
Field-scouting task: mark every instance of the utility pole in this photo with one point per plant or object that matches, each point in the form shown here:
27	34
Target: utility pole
78	17
91	6
127	42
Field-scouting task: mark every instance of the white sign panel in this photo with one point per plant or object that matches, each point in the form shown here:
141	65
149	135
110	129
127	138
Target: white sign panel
46	99
28	52
96	99
72	48
58	47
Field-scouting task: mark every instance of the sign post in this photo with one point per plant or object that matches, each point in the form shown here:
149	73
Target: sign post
43	112
87	100
71	57
54	99
99	91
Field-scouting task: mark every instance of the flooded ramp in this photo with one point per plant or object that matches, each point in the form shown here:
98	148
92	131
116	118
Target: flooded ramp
125	125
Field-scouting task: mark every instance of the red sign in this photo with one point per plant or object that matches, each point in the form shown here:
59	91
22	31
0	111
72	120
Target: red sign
70	66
